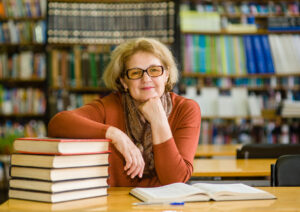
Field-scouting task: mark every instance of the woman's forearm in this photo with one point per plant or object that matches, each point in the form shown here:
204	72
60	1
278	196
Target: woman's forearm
161	131
71	125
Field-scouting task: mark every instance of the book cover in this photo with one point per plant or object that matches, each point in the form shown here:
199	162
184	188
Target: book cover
59	186
258	54
61	146
250	58
59	161
58	174
201	58
57	197
267	54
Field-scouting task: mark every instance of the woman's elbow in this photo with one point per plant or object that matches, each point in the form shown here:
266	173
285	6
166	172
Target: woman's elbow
55	124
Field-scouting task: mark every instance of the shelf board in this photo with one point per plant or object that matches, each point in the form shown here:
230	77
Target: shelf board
24	115
262	16
203	75
224	32
82	89
103	1
3	19
22	44
256	88
31	80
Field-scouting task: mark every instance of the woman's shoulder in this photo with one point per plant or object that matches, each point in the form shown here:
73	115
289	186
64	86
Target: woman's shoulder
185	111
181	101
113	98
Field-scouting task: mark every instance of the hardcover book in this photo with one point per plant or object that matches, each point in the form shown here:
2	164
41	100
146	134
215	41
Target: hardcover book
57	197
59	161
59	186
57	174
61	146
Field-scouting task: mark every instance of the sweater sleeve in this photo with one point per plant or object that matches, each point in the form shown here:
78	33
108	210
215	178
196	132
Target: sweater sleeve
84	122
174	158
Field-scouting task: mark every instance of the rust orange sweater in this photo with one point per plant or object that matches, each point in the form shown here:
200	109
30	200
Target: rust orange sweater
173	158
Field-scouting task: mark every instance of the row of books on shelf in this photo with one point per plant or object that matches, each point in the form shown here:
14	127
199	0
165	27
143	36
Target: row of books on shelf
243	131
23	8
241	55
244	7
213	21
100	22
22	101
291	109
237	101
23	65
77	68
280	83
10	130
63	100
58	170
23	32
284	23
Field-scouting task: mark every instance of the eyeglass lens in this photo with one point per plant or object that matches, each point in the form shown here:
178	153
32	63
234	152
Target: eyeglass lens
136	73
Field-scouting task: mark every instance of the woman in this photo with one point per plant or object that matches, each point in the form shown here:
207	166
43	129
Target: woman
154	132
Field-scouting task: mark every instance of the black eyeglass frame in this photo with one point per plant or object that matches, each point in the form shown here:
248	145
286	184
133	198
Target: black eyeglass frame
144	70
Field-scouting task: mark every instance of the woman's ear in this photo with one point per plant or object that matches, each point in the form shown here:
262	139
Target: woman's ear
124	84
167	75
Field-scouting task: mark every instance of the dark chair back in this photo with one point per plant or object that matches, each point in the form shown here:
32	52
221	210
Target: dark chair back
267	150
286	171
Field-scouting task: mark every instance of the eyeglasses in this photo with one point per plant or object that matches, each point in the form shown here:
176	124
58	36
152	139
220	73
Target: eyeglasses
137	73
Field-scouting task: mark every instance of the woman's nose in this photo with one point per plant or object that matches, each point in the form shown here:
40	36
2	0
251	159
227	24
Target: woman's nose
146	77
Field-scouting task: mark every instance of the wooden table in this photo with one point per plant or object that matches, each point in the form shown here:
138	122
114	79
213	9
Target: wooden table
288	199
232	167
210	150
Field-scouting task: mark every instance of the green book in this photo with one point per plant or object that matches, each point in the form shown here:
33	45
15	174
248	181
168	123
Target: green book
93	70
195	60
208	54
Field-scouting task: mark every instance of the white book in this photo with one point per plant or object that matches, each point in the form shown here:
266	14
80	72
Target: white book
254	106
240	101
181	192
57	197
225	106
59	186
208	101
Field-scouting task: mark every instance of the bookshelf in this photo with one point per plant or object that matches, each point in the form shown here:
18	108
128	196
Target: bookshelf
240	63
82	34
22	70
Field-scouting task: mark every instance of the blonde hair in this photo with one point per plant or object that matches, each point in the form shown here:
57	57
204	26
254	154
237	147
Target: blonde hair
116	67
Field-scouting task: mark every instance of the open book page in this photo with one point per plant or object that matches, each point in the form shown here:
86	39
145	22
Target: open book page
170	193
236	191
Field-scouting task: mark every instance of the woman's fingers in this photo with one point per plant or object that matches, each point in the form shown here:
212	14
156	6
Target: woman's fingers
134	162
137	163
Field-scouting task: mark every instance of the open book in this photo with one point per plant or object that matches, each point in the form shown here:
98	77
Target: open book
199	192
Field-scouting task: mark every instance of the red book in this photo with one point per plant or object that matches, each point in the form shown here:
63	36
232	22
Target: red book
61	146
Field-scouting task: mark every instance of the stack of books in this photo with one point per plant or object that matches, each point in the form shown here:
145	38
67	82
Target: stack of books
58	170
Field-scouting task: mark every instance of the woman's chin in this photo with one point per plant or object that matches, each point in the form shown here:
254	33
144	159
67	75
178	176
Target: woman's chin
145	99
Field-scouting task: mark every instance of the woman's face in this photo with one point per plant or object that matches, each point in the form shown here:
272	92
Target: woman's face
146	87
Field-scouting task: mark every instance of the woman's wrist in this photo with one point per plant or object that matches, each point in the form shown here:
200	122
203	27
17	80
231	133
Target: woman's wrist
110	133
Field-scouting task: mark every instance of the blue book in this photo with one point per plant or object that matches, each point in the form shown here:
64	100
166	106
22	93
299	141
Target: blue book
250	59
202	65
267	54
258	55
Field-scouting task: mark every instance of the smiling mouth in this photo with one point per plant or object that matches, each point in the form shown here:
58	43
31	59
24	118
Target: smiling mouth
147	88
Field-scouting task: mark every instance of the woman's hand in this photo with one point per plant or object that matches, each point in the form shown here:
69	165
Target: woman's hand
134	160
155	114
153	110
